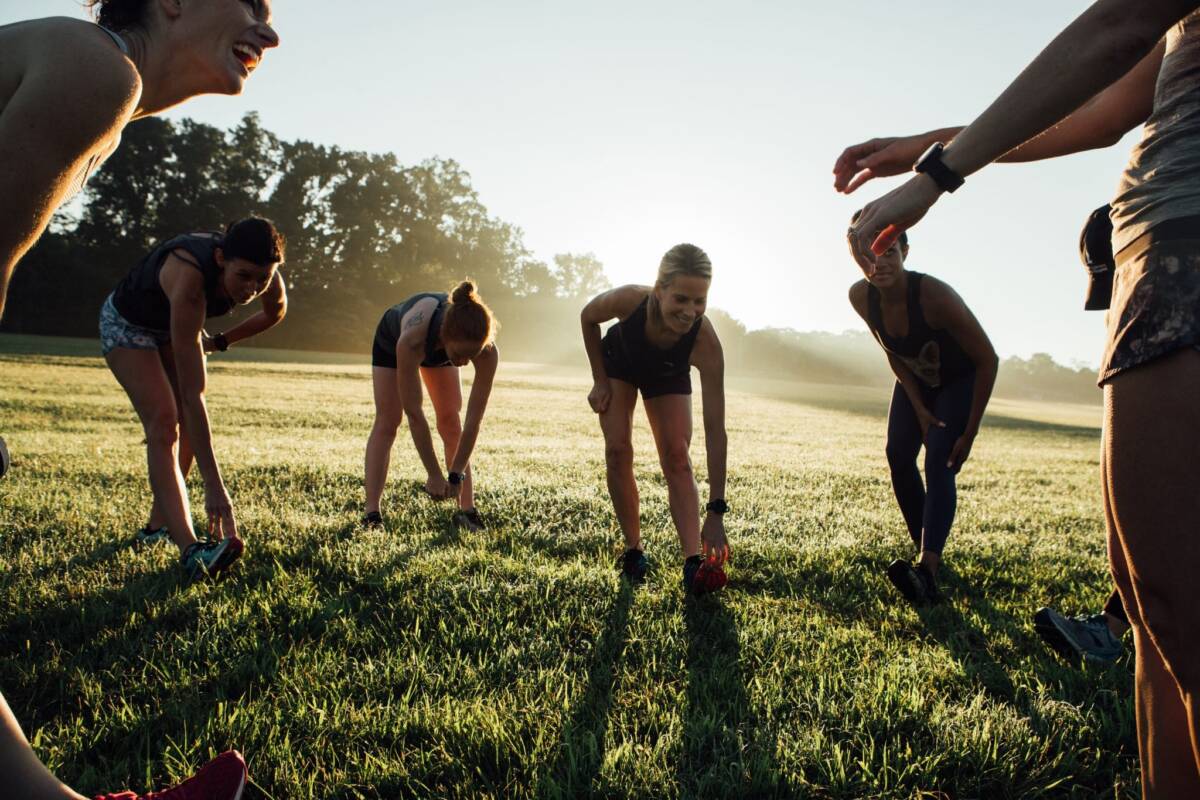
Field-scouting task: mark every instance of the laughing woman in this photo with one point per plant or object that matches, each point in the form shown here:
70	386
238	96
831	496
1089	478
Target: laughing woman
660	334
425	340
151	331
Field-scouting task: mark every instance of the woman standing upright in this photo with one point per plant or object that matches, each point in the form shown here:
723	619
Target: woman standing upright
945	369
660	334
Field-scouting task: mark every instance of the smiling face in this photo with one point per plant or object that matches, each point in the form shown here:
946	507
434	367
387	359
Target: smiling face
242	279
682	301
223	41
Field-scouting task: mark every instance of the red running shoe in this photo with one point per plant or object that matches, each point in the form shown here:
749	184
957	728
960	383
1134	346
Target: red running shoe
223	778
702	577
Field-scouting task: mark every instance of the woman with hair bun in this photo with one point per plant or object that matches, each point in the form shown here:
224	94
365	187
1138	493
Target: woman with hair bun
660	334
151	334
425	339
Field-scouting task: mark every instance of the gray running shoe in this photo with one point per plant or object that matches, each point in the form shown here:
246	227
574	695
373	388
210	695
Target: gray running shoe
1083	637
209	559
148	535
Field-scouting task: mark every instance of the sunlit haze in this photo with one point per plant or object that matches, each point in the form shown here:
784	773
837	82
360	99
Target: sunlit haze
623	128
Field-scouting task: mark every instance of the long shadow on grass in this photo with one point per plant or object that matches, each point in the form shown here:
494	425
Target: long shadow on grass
727	750
581	748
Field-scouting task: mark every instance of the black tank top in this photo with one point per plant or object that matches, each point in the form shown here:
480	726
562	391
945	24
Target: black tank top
933	355
140	298
388	332
649	361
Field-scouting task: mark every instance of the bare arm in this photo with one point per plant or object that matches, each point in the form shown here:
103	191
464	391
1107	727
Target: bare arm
274	309
60	117
1095	50
410	351
616	303
1101	122
485	373
708	357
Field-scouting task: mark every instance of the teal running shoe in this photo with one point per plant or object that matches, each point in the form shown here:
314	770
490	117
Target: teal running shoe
148	535
1085	637
205	558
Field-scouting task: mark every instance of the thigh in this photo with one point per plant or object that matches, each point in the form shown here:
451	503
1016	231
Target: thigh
141	375
670	418
903	427
1151	442
387	395
616	423
952	404
444	387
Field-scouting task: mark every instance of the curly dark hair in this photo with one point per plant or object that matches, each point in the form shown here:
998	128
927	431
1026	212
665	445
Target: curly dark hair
254	239
119	15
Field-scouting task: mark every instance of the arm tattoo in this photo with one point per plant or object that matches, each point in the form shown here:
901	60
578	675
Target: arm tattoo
415	320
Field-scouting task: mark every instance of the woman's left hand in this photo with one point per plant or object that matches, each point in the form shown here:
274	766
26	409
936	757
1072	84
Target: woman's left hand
714	545
882	221
961	452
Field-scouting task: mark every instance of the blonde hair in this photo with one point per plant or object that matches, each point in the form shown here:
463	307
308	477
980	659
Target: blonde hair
467	319
686	260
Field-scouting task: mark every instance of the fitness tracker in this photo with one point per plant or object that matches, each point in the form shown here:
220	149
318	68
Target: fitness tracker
454	478
717	506
931	164
220	342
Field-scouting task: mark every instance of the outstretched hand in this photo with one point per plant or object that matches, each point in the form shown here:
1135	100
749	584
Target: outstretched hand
881	222
961	452
714	545
219	509
877	158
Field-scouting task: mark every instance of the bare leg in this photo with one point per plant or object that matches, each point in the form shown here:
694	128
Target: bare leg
389	413
158	517
617	425
142	376
25	776
445	393
671	421
1151	438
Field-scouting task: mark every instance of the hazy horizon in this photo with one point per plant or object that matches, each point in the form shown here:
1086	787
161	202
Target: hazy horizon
623	130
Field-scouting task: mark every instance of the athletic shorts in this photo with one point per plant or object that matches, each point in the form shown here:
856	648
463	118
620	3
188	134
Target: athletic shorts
384	356
1156	297
650	380
116	331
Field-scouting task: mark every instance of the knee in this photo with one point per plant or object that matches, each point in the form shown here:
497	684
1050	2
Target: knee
676	462
618	456
448	423
162	429
898	457
386	424
938	447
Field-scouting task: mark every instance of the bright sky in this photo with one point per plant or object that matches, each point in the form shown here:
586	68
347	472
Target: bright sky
624	127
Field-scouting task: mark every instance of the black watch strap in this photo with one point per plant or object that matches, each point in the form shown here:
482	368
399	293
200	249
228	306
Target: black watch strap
454	478
221	342
931	164
718	506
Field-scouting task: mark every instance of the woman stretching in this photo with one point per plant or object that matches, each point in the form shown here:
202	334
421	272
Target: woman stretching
945	368
151	332
426	339
660	335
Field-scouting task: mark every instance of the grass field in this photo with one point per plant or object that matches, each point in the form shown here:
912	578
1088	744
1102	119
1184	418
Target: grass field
421	662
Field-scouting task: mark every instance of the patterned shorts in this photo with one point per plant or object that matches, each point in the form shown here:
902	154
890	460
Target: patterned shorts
116	331
1156	297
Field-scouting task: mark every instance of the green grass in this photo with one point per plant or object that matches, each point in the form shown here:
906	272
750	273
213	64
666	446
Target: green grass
421	662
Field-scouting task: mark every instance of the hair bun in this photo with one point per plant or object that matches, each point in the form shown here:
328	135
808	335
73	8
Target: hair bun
464	293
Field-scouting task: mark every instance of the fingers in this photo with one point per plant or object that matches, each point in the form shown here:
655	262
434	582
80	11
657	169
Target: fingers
886	239
859	180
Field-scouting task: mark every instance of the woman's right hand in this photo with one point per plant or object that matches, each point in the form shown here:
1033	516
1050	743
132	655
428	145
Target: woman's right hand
926	420
438	487
599	396
877	158
219	508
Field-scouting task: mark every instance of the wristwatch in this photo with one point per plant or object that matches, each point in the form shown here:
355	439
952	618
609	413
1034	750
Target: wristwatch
454	478
718	506
221	342
932	165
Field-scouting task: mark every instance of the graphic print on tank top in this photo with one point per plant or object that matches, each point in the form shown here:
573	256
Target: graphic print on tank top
927	364
932	354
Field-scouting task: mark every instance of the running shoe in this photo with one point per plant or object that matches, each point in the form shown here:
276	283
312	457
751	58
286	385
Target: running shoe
148	535
223	778
633	565
372	519
933	595
702	577
470	520
1083	637
909	581
210	558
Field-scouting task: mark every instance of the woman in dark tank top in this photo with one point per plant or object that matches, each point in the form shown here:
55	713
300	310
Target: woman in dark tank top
661	333
152	336
423	341
945	368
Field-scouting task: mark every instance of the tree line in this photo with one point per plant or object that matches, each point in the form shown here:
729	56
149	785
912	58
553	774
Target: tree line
365	231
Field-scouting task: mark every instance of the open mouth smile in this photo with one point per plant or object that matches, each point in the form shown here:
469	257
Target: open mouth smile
249	56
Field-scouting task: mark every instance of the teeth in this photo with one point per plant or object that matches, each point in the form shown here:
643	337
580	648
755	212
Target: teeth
251	57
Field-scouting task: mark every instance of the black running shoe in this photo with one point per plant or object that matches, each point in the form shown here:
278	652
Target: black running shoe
633	565
933	595
372	519
908	581
470	520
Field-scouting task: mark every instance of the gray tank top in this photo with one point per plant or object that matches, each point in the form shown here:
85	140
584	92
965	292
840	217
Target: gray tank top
1162	180
77	183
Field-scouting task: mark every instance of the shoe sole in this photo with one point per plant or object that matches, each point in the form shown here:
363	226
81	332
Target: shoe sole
899	574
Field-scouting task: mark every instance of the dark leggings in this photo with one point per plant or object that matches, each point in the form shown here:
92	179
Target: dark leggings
928	507
1116	608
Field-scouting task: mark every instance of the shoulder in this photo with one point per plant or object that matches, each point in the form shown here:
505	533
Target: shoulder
618	303
858	296
414	325
707	350
76	59
939	301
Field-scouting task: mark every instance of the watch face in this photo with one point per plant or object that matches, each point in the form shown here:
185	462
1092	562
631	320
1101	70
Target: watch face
933	150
